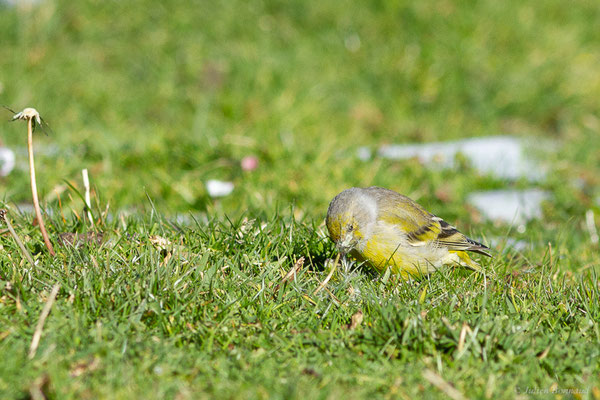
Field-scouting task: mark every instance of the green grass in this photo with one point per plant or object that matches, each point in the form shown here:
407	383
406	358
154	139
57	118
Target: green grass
208	315
155	99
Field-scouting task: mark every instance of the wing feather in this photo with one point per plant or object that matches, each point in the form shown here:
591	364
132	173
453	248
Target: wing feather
422	227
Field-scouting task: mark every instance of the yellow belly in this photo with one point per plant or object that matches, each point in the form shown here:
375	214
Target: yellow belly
381	257
382	251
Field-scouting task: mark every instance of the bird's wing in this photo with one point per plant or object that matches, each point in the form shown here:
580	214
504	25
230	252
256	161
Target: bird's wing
450	237
423	228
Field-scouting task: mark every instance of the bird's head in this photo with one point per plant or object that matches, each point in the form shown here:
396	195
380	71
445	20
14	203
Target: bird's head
350	217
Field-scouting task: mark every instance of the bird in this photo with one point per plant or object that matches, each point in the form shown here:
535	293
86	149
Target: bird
385	229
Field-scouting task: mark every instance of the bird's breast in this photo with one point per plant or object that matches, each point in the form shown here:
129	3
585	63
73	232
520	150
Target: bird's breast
388	246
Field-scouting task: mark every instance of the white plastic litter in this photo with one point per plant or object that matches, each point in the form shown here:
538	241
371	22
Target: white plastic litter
509	244
364	153
218	188
510	206
501	156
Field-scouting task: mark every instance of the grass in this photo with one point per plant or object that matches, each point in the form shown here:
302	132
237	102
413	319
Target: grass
184	297
159	312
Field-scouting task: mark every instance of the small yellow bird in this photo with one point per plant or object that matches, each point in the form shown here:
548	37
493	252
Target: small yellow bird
385	228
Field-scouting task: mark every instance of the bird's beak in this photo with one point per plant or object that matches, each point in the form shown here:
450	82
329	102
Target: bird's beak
345	244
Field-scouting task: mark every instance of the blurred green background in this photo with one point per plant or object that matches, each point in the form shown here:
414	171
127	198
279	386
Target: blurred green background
156	98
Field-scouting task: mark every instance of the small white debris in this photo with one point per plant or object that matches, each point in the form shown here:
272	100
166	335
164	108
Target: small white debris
510	206
86	186
364	153
218	188
517	245
590	222
189	219
7	161
501	156
26	208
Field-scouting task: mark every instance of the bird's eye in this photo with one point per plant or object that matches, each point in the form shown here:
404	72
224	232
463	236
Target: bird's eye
350	228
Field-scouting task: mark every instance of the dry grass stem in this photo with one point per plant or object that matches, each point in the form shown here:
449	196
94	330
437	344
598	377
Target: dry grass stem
3	216
86	185
591	226
357	319
324	283
40	325
292	272
442	385
462	337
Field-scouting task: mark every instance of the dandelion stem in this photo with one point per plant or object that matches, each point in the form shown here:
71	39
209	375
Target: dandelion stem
36	203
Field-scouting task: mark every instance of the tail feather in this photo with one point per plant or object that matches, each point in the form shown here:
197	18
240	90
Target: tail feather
477	247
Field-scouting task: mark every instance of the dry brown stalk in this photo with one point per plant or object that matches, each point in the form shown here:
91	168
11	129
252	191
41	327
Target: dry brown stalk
32	116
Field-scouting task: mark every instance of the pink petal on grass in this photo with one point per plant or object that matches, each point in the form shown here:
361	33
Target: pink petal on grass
249	163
